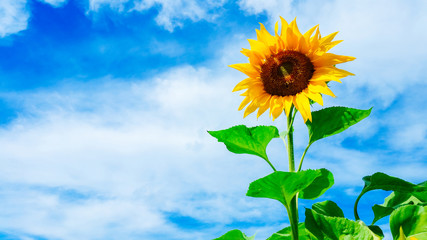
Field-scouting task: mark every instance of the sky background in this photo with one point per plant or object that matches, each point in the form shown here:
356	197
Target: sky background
104	107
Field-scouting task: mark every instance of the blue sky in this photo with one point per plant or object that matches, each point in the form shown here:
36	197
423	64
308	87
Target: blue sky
104	107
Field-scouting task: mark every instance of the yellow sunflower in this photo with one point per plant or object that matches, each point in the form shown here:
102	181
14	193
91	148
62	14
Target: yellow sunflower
288	69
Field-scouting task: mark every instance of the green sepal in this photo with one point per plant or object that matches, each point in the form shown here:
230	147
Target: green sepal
241	139
235	235
283	186
333	120
409	221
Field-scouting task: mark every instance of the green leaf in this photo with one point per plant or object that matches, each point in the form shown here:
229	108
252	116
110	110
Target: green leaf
376	230
234	235
411	220
333	120
385	182
318	186
398	199
283	186
326	227
241	139
380	212
286	234
328	208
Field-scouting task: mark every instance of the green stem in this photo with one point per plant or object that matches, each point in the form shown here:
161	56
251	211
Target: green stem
302	158
271	165
356	215
293	208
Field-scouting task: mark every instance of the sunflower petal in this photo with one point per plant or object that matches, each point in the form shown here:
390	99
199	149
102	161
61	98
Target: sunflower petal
310	32
246	52
247	69
264	36
330	72
287	103
326	77
276	28
259	47
328	38
277	107
320	87
314	41
291	39
244	84
330	59
303	46
284	26
326	47
303	105
295	28
256	90
264	106
244	103
250	109
314	96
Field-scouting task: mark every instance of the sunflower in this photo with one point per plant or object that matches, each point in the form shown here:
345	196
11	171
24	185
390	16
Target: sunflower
288	70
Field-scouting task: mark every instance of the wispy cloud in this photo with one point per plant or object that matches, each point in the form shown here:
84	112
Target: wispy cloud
13	16
171	14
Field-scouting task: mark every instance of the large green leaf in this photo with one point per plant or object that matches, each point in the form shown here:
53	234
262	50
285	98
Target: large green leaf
318	186
328	208
286	234
388	183
235	235
333	120
398	199
241	139
325	227
409	220
283	186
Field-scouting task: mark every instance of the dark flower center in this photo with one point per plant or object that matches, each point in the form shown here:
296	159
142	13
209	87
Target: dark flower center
286	73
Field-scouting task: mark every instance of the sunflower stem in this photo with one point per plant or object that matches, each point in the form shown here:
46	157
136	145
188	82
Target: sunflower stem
293	208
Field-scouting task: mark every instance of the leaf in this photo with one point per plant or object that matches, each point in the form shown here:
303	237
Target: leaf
398	199
328	208
326	227
285	234
283	186
380	212
318	186
388	183
333	120
241	139
376	230
385	182
235	235
409	221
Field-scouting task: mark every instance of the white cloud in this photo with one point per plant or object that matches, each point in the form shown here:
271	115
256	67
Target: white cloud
139	150
171	14
270	7
55	3
13	16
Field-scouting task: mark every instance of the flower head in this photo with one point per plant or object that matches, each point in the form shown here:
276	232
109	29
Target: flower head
288	69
